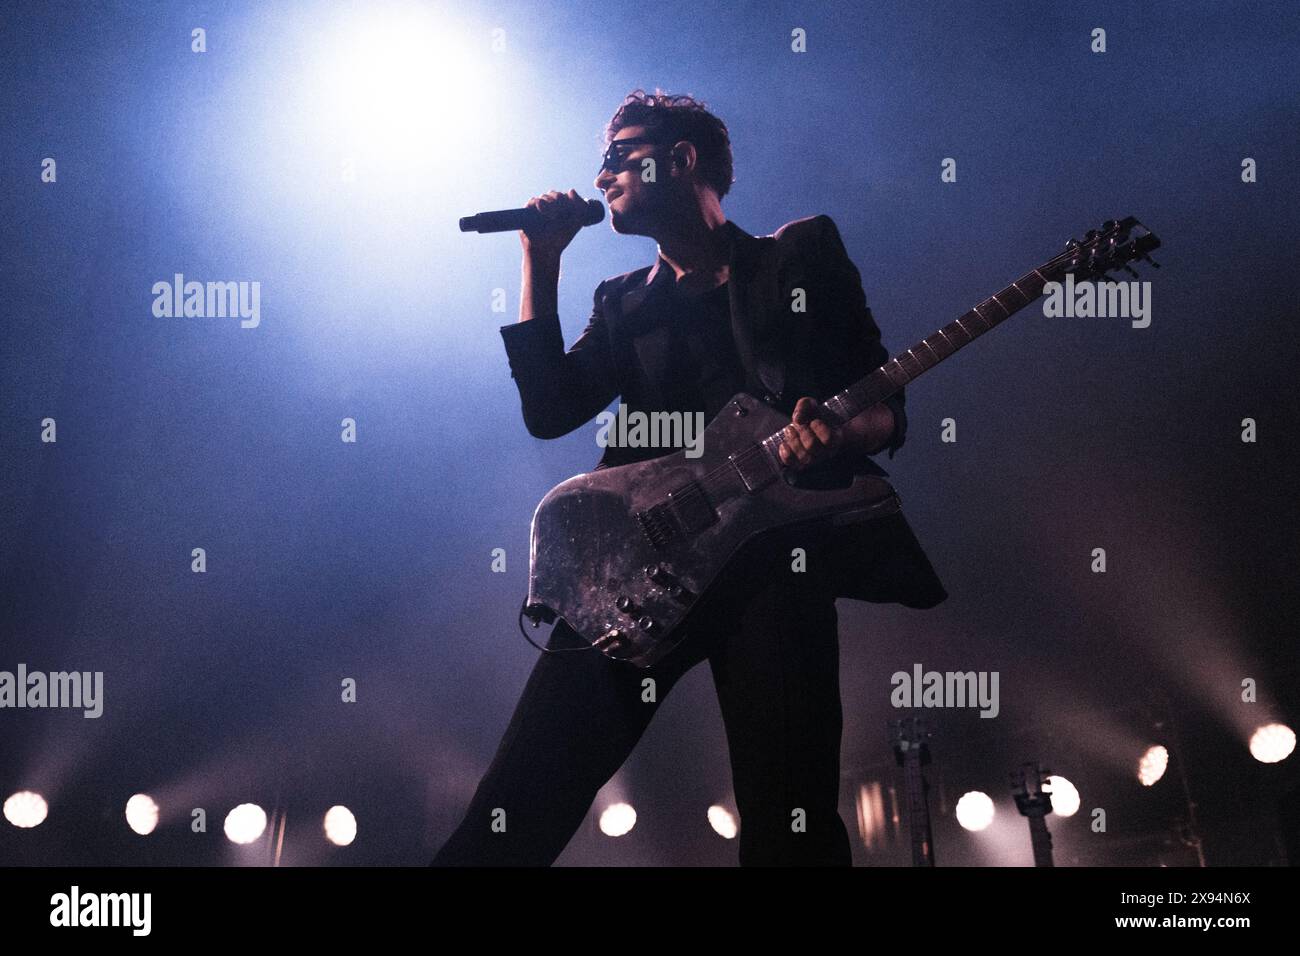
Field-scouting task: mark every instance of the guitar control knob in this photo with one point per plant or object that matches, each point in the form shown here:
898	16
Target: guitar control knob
659	574
625	604
646	622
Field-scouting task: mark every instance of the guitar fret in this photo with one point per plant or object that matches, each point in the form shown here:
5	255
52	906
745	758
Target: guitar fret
885	368
837	408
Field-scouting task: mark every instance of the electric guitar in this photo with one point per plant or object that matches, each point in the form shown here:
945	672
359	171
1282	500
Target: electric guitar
622	554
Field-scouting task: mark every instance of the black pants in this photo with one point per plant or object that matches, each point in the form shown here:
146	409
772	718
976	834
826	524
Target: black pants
771	638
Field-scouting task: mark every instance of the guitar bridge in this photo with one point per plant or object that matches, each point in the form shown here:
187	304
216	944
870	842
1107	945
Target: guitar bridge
656	524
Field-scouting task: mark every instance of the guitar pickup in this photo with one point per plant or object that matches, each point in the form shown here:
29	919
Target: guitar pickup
692	507
755	470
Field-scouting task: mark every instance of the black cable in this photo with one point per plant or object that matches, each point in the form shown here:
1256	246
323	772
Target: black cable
546	650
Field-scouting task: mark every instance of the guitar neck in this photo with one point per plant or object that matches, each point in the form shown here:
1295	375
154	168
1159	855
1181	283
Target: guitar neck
1114	247
933	349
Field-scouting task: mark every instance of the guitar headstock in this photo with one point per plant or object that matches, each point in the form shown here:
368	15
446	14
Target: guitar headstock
909	734
1031	787
1117	244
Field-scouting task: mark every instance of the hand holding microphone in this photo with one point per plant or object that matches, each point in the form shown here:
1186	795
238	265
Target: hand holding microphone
547	224
558	217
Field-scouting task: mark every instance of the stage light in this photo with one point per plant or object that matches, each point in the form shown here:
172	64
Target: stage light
245	823
723	823
398	84
142	814
1065	796
340	826
1272	743
26	809
975	810
1152	765
617	819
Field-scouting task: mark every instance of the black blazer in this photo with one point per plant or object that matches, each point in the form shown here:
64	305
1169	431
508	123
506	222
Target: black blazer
625	351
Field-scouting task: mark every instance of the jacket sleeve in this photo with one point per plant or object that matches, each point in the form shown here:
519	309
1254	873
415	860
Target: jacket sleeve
854	328
558	390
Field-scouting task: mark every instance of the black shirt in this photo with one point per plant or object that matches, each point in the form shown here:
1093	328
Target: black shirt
707	371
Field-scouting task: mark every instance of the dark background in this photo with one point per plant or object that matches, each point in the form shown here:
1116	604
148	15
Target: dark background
373	560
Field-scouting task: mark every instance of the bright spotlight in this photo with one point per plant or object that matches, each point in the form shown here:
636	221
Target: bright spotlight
975	810
26	809
1065	796
392	84
142	814
245	823
1152	765
617	819
1272	743
723	823
340	826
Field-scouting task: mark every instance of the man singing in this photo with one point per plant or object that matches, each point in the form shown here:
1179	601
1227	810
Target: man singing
685	335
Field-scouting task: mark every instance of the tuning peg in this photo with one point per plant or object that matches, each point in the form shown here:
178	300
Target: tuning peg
1108	225
1071	243
1090	235
1130	270
1153	262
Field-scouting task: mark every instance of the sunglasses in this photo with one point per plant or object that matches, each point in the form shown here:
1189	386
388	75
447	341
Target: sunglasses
617	152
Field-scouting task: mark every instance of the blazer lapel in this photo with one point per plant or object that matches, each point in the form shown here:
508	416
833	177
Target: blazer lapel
642	325
754	297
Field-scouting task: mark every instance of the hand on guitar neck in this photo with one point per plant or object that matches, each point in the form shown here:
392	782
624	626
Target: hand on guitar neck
810	438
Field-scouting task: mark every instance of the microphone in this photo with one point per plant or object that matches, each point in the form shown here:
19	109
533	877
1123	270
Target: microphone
511	220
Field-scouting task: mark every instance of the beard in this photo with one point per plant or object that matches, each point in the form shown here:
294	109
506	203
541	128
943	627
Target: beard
641	219
625	224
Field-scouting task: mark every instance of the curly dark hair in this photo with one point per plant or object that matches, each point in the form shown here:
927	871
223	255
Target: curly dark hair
681	117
